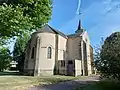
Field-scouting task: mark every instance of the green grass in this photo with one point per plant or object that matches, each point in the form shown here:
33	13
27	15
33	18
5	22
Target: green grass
14	82
101	85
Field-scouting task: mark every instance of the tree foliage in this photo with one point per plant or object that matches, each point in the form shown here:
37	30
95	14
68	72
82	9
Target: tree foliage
19	16
108	61
5	58
19	51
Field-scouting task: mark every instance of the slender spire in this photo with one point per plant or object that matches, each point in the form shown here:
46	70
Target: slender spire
79	25
79	28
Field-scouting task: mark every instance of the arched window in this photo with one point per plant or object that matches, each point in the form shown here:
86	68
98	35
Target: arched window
49	53
32	54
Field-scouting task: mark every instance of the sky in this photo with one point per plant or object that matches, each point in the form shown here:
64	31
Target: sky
99	18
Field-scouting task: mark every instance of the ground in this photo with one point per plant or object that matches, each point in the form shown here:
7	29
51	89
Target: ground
68	85
13	81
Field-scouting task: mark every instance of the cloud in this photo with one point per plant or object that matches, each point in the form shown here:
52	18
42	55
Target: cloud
101	19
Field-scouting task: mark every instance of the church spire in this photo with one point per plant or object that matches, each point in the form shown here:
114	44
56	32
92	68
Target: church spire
79	25
79	29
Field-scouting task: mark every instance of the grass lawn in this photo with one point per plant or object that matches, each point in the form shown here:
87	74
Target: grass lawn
101	85
14	82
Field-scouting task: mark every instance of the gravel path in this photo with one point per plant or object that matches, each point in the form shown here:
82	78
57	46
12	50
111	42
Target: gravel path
69	85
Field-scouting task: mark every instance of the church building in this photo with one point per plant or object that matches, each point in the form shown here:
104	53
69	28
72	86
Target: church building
51	52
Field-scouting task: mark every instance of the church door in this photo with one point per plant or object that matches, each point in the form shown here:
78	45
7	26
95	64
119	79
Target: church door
70	68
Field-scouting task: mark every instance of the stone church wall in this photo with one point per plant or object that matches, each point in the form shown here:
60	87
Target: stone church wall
46	66
87	41
62	48
78	68
30	62
74	48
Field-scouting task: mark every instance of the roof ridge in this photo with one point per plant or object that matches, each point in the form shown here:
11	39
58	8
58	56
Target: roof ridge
50	30
57	31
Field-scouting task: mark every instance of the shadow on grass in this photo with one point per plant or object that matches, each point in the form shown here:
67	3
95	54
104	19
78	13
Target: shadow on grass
10	73
68	85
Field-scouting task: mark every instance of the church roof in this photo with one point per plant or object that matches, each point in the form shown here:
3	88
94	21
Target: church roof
58	32
49	29
74	35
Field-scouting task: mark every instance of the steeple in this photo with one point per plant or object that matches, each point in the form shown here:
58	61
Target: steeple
79	25
79	29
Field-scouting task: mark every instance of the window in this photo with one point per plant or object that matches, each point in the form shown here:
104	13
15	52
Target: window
49	53
64	53
32	54
70	62
62	63
26	63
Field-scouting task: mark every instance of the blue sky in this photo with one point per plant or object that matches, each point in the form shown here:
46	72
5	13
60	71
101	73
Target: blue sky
99	17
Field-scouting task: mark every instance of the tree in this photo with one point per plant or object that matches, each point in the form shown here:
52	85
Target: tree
19	16
108	62
97	58
97	51
19	51
5	58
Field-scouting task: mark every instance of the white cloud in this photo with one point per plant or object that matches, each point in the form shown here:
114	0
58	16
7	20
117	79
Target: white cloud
101	19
